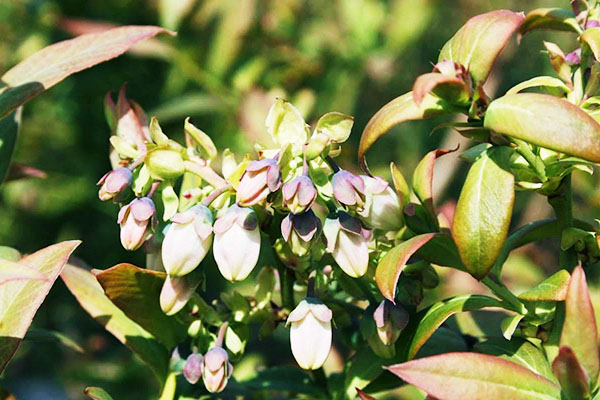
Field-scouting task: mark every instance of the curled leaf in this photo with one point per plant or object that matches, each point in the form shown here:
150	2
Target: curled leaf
449	88
556	19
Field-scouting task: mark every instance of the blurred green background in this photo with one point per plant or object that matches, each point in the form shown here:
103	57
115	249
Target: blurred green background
230	59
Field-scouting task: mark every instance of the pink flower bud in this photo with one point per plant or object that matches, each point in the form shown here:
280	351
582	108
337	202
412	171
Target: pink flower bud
136	220
131	121
347	241
390	320
237	243
310	335
348	189
592	23
113	183
216	369
299	194
574	57
187	240
192	370
299	230
382	209
261	178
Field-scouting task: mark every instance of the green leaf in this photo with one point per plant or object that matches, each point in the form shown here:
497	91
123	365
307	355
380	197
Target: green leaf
170	202
430	319
519	351
556	19
361	369
543	81
136	291
40	335
10	254
451	89
477	44
202	139
54	63
471	376
483	212
391	265
15	271
265	287
90	295
286	125
96	393
286	379
9	129
571	375
553	288
335	125
422	179
441	250
399	110
579	329
546	121
21	299
400	185
509	325
591	37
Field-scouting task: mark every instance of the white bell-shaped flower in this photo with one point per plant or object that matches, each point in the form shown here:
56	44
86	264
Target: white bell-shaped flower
347	241
383	209
187	240
237	243
216	369
310	333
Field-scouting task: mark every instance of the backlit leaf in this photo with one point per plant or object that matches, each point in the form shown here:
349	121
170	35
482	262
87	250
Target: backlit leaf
553	288
15	271
591	37
422	180
571	375
540	81
556	19
449	88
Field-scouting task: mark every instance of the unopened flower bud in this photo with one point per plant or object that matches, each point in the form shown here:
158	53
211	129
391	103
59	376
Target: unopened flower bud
114	183
136	220
187	240
299	194
216	369
383	209
310	335
164	162
592	23
348	189
192	370
574	57
260	179
237	243
299	230
347	241
390	320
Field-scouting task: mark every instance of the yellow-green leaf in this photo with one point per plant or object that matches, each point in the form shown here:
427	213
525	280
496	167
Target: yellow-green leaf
556	19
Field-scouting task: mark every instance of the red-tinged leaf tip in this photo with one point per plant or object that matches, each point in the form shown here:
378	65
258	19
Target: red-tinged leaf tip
364	396
391	265
472	376
571	375
579	329
450	88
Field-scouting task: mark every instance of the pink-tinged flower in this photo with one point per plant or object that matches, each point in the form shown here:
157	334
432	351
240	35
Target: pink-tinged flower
347	241
216	369
114	183
187	240
390	320
574	57
310	335
261	178
382	209
136	221
348	189
192	370
299	230
176	292
299	194
127	120
236	244
592	23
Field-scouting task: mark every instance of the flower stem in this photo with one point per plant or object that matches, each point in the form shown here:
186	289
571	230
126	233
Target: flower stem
562	203
206	173
286	286
221	335
505	295
214	194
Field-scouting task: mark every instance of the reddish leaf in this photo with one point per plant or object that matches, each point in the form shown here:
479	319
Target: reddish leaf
399	110
449	88
422	179
477	44
54	63
579	329
570	374
471	376
363	396
546	121
391	265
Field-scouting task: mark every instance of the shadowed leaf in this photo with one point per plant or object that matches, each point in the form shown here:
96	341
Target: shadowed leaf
477	44
54	63
90	295
449	88
441	250
391	265
556	19
97	393
483	213
570	374
422	180
579	329
9	129
432	318
45	335
20	299
546	121
471	376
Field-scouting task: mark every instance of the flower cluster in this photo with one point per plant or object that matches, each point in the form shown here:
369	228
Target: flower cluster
294	198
